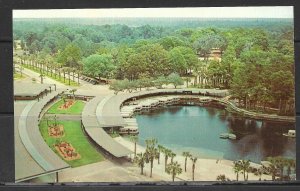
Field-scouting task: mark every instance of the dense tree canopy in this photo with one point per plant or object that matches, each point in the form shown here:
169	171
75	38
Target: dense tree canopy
256	57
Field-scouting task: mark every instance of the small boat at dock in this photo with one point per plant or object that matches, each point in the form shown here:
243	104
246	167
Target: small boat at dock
291	133
224	135
227	136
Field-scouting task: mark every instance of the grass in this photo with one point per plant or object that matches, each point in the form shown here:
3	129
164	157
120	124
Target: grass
61	80
18	76
76	108
74	136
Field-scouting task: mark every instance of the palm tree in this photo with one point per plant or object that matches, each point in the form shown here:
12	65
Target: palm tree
47	119
273	167
172	155
140	160
194	160
245	164
151	152
63	98
21	69
291	164
73	92
63	70
174	169
167	153
134	139
186	155
79	69
55	120
69	74
237	169
160	149
42	77
280	163
259	173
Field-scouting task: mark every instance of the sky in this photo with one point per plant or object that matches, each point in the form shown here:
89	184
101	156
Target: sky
203	12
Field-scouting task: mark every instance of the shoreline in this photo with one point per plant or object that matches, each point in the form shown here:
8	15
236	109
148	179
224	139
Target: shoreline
206	169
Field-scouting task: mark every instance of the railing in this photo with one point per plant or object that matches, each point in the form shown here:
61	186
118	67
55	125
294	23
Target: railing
255	115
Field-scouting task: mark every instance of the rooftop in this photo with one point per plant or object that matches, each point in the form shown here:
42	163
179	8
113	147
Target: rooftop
29	89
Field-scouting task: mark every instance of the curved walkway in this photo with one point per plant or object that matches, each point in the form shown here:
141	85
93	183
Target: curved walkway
93	126
111	114
110	109
105	112
32	138
254	115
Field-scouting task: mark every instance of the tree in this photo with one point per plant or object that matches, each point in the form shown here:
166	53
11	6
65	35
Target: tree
117	86
172	155
73	92
135	66
194	160
170	42
245	164
151	152
47	118
160	149
204	44
237	169
277	164
174	169
259	172
228	64
167	153
140	160
177	60
63	98
21	68
98	66
186	155
134	139
175	79
291	164
156	60
70	56
272	169
55	120
22	45
160	81
42	77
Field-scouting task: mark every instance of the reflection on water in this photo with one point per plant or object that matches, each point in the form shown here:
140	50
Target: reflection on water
197	129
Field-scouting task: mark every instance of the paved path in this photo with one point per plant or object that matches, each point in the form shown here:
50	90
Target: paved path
83	89
65	117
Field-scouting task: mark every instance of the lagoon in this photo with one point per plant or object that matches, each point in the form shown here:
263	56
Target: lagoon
196	129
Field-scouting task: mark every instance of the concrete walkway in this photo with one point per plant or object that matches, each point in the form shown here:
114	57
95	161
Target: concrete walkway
65	117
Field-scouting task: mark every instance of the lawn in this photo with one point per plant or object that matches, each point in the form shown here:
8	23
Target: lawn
74	109
18	76
74	136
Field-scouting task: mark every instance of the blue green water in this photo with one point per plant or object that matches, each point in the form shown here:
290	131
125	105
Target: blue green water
197	129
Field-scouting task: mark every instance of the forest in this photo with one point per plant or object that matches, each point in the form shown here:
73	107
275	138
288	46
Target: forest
256	57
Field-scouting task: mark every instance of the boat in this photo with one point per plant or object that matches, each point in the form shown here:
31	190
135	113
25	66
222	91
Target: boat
291	133
231	136
224	135
227	136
